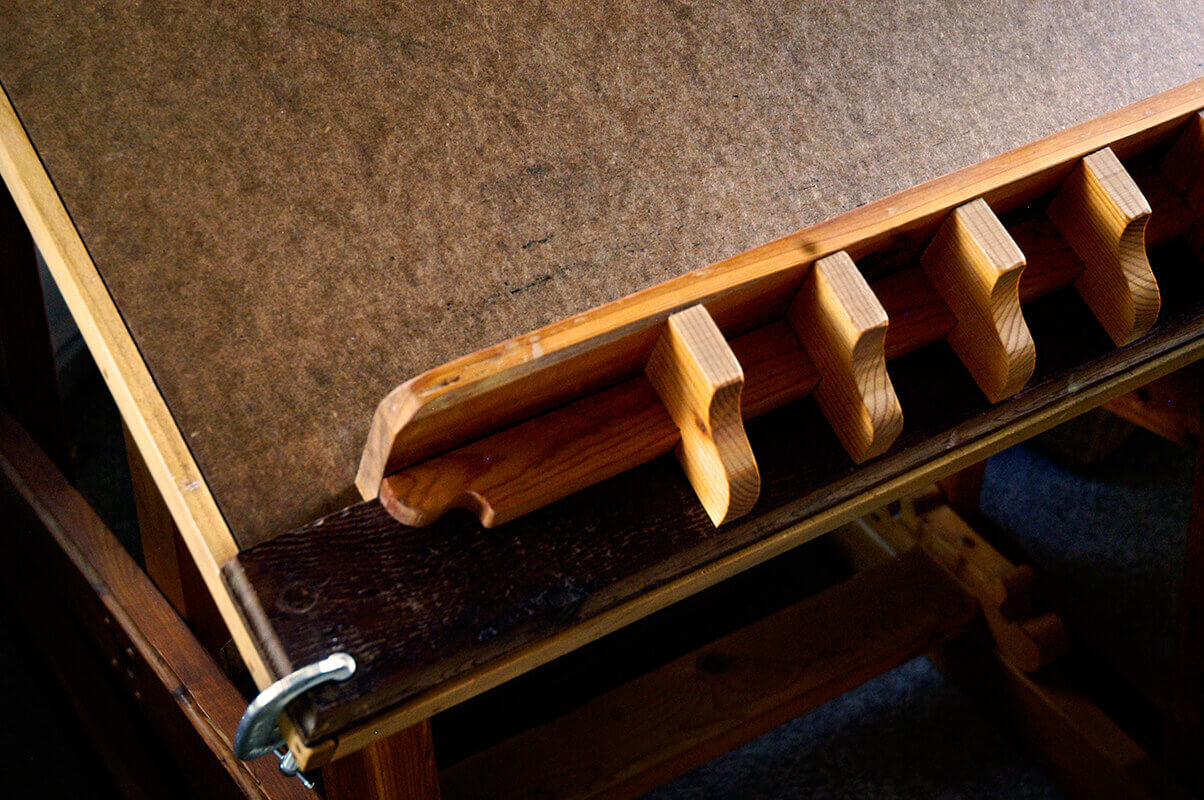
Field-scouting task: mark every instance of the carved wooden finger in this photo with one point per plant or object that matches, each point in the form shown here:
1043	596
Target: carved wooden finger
976	266
842	326
1102	215
699	381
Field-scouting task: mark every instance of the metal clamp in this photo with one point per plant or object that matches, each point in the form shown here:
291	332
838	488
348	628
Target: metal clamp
258	732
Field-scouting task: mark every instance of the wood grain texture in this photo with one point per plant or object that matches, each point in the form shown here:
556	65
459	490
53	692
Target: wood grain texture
522	468
1102	214
699	381
439	614
720	696
976	266
400	767
1027	638
447	176
842	326
477	394
1168	407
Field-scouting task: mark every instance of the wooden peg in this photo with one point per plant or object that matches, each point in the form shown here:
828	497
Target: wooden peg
976	266
699	381
1102	215
842	326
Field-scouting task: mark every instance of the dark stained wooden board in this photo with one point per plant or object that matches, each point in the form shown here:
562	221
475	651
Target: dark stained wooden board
296	206
418	606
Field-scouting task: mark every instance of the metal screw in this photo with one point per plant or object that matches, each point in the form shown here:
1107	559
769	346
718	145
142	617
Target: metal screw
288	765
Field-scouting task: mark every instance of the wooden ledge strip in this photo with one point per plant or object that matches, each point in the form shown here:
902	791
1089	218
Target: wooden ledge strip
699	380
487	391
976	267
1102	214
527	466
842	327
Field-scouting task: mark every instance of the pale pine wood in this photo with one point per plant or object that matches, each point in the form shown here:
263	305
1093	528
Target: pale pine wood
1025	638
474	396
535	462
1028	639
699	380
400	767
1103	214
842	327
976	266
542	460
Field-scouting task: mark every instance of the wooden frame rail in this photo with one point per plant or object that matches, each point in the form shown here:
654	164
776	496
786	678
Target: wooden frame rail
50	536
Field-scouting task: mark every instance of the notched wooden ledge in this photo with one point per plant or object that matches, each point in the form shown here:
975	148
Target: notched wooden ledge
839	332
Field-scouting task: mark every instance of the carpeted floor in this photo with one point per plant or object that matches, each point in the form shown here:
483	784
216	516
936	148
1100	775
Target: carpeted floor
1112	531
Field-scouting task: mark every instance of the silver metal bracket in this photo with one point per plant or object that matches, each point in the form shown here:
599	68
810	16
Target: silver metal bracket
259	730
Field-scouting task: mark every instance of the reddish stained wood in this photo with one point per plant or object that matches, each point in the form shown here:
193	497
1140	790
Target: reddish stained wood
401	767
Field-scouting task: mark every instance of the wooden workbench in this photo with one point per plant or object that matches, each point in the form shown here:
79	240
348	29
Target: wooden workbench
265	218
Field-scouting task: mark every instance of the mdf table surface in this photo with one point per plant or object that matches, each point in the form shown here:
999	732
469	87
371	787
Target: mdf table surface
268	217
296	207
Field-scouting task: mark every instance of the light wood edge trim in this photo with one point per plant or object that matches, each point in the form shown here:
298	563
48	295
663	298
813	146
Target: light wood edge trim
976	266
696	374
1102	214
1184	163
143	409
842	326
527	658
855	231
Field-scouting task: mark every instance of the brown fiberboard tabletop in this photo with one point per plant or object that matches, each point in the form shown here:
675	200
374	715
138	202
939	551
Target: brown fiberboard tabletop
297	206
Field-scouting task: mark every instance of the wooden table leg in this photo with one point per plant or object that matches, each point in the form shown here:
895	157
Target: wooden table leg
401	767
963	489
28	379
1185	714
166	557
